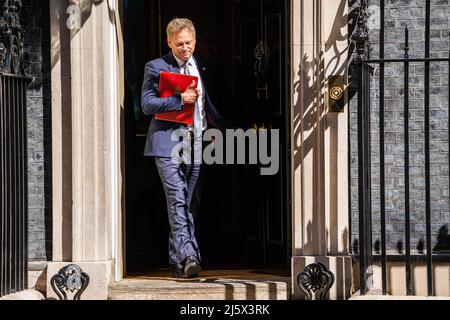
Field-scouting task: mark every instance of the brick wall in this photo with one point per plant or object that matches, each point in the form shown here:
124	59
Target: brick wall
411	13
37	43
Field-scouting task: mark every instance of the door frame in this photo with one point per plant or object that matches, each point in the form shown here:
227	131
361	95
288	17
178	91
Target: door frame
117	64
117	163
288	91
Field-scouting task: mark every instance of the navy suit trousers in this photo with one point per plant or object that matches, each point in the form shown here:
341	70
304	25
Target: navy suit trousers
179	181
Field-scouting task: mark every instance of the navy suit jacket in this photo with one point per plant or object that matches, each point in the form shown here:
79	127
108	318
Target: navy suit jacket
159	135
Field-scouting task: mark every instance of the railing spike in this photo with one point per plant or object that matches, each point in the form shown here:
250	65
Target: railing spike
406	42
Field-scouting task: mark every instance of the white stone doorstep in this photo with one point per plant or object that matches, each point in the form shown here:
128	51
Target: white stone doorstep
24	295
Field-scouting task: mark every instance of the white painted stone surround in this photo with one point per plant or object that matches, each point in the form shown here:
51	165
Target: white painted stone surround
87	182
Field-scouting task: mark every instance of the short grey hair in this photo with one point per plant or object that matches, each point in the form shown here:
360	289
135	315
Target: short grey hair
179	24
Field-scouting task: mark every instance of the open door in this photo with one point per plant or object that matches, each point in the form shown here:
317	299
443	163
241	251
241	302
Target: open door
242	218
265	106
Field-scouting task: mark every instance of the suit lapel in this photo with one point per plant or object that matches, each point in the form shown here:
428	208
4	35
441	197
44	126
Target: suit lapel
201	70
201	66
170	60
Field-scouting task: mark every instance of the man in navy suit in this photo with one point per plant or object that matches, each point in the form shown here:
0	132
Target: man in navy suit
179	179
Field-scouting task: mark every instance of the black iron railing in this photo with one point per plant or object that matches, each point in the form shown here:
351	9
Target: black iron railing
365	66
13	152
13	177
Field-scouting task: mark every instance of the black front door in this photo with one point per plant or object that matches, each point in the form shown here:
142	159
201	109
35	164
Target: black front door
242	217
264	107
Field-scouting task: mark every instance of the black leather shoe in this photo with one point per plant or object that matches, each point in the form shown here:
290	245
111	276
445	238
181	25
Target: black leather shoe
177	271
192	267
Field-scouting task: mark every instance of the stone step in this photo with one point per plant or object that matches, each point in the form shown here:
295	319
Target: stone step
211	285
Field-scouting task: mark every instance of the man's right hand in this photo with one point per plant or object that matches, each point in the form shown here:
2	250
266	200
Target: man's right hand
190	96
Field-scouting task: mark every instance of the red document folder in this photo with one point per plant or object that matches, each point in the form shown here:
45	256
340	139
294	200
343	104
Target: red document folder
171	84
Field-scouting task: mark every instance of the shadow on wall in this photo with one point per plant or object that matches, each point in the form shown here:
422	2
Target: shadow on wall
311	120
309	109
60	12
442	245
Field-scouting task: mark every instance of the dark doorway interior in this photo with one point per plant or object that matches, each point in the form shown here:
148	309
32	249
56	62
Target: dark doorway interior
243	220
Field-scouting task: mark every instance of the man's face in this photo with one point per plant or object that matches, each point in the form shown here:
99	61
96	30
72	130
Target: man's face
182	44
